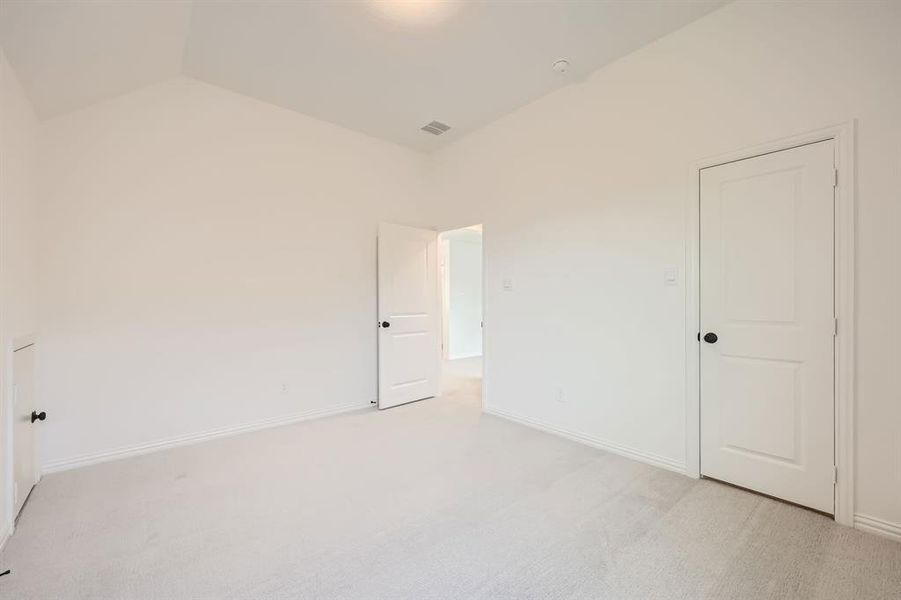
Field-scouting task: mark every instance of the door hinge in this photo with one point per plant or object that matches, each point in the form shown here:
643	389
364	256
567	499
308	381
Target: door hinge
834	327
835	178
834	475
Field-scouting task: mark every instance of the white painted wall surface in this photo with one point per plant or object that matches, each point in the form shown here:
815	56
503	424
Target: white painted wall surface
203	250
584	193
464	263
18	222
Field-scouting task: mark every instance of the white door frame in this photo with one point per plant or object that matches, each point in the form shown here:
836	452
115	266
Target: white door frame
483	403
844	135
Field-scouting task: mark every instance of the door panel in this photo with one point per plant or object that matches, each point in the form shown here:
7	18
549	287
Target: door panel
759	270
767	289
25	473
409	347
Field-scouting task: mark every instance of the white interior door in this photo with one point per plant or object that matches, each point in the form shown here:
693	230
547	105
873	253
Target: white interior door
409	314
25	473
767	294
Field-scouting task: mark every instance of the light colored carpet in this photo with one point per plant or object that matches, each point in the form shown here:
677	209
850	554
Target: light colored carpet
428	500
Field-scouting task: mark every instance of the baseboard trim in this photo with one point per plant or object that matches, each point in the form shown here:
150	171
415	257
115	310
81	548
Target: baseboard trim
462	356
85	460
645	457
885	529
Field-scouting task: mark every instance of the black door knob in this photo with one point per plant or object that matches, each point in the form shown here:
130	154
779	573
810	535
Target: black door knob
710	338
38	416
386	324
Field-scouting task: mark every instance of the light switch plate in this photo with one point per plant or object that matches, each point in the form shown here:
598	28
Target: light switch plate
670	276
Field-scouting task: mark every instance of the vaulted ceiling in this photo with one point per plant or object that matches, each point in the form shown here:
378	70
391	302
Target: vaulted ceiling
384	68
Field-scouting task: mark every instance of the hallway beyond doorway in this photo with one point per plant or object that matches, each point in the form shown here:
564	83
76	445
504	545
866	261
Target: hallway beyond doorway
461	379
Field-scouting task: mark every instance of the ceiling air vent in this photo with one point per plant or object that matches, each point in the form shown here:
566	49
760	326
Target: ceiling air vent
436	127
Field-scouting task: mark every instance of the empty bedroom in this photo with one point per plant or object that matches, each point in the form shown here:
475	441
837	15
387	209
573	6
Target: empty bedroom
450	299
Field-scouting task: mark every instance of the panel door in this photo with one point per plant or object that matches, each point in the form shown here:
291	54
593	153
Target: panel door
409	315
24	470
767	324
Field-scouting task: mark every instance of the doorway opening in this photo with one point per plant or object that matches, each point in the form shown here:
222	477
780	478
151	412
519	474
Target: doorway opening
462	325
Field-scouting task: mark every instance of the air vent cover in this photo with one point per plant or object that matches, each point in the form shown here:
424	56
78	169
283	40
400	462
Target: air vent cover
436	127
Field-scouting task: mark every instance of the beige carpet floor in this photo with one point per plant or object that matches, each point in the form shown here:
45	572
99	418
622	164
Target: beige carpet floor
428	500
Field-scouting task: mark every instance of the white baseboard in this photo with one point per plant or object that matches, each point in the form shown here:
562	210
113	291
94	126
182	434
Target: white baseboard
886	529
194	438
462	356
645	457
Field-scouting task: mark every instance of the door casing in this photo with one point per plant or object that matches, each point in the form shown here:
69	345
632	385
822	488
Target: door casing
843	135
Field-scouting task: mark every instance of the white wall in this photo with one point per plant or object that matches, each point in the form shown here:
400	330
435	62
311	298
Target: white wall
203	249
584	193
464	277
18	217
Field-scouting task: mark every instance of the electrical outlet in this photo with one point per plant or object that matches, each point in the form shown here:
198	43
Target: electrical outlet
284	388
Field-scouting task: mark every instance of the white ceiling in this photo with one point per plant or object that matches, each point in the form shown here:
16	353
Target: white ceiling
382	68
71	54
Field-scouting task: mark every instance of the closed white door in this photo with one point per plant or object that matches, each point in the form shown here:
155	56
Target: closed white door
409	314
767	324
25	473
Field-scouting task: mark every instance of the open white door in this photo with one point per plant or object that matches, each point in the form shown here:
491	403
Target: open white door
409	314
25	473
767	324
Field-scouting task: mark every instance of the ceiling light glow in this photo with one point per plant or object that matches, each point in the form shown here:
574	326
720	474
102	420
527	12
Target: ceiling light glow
415	12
